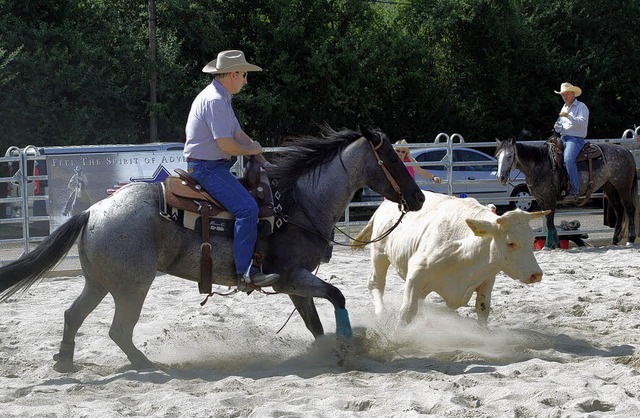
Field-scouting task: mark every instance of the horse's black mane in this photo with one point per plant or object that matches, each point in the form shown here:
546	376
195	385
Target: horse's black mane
533	151
306	153
536	152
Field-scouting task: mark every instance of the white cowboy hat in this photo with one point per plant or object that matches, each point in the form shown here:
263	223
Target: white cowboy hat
565	87
228	62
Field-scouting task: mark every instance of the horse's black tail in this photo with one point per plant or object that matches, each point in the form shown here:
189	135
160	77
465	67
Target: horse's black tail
25	272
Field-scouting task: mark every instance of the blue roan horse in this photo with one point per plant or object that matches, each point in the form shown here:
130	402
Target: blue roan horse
123	241
615	172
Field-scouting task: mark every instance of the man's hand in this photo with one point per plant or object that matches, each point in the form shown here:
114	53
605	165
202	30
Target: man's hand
256	148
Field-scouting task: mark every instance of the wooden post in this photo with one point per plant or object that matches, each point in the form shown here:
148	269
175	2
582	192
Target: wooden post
153	77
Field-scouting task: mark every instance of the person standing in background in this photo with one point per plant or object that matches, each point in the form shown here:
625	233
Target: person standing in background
405	155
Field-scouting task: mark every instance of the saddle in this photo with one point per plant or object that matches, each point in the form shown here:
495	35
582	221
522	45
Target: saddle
589	152
184	201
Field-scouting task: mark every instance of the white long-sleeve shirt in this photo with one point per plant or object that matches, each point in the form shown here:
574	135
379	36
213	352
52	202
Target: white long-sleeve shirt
577	120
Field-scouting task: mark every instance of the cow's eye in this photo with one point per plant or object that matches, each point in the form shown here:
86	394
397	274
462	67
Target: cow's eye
511	245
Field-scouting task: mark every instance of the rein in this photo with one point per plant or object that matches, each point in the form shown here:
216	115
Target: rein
319	234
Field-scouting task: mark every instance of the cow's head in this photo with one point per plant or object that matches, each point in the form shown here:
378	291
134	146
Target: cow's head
511	246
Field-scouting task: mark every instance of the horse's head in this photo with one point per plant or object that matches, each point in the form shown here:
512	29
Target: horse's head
387	173
506	156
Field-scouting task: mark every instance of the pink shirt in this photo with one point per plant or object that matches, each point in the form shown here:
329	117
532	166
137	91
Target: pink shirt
410	168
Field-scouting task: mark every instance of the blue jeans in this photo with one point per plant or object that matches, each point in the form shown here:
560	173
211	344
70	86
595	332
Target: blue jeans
217	180
572	147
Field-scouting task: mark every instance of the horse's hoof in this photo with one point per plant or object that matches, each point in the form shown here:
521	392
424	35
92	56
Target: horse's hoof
341	350
64	366
142	363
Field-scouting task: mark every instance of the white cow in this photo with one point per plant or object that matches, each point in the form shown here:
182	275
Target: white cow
453	247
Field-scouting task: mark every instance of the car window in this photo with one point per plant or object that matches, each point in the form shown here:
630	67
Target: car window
432	156
467	156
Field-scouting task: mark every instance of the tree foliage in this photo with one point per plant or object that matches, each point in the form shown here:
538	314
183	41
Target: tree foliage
77	71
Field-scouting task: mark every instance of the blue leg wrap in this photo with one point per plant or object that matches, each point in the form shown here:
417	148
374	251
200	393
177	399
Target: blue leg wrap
343	326
552	240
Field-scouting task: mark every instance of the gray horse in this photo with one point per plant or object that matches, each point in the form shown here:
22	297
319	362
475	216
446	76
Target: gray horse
123	241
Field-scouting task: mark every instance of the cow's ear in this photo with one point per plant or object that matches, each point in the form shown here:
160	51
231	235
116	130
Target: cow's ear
536	215
479	227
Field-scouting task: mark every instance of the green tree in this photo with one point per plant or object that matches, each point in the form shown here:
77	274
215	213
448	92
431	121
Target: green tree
77	71
591	44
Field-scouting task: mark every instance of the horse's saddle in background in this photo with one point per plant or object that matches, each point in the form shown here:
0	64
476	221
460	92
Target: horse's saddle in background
588	153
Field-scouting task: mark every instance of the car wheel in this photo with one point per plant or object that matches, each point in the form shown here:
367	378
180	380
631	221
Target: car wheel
522	191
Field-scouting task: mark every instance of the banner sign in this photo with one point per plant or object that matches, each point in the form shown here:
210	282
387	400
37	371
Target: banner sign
76	181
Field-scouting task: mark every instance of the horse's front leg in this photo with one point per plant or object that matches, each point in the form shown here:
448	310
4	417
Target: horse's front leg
552	240
307	310
302	286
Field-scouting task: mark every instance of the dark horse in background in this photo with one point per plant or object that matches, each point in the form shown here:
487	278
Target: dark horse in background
123	240
615	172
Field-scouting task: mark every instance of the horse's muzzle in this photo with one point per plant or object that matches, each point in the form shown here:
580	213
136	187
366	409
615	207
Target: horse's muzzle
416	202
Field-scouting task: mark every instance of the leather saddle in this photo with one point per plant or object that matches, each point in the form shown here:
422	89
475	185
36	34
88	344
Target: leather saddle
183	192
184	201
588	153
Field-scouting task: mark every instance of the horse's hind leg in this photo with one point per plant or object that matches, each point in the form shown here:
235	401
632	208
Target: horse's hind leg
618	206
91	296
630	209
128	303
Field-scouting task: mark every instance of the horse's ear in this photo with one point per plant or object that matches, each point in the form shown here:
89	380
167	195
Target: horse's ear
513	140
365	130
371	134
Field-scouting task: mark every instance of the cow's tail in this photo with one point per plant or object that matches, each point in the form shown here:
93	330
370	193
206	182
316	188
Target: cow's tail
364	236
23	273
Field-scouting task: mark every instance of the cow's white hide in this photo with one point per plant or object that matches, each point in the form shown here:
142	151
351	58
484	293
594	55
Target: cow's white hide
453	247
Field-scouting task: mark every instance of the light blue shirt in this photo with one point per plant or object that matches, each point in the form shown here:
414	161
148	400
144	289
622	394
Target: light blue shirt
576	122
211	117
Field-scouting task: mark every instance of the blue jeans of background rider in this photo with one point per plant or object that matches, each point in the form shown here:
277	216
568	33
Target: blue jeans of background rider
572	147
217	180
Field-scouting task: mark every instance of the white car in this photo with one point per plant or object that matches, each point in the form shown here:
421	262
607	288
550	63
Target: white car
474	175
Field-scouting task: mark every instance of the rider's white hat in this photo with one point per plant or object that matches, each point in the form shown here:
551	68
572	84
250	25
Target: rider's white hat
229	62
565	87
